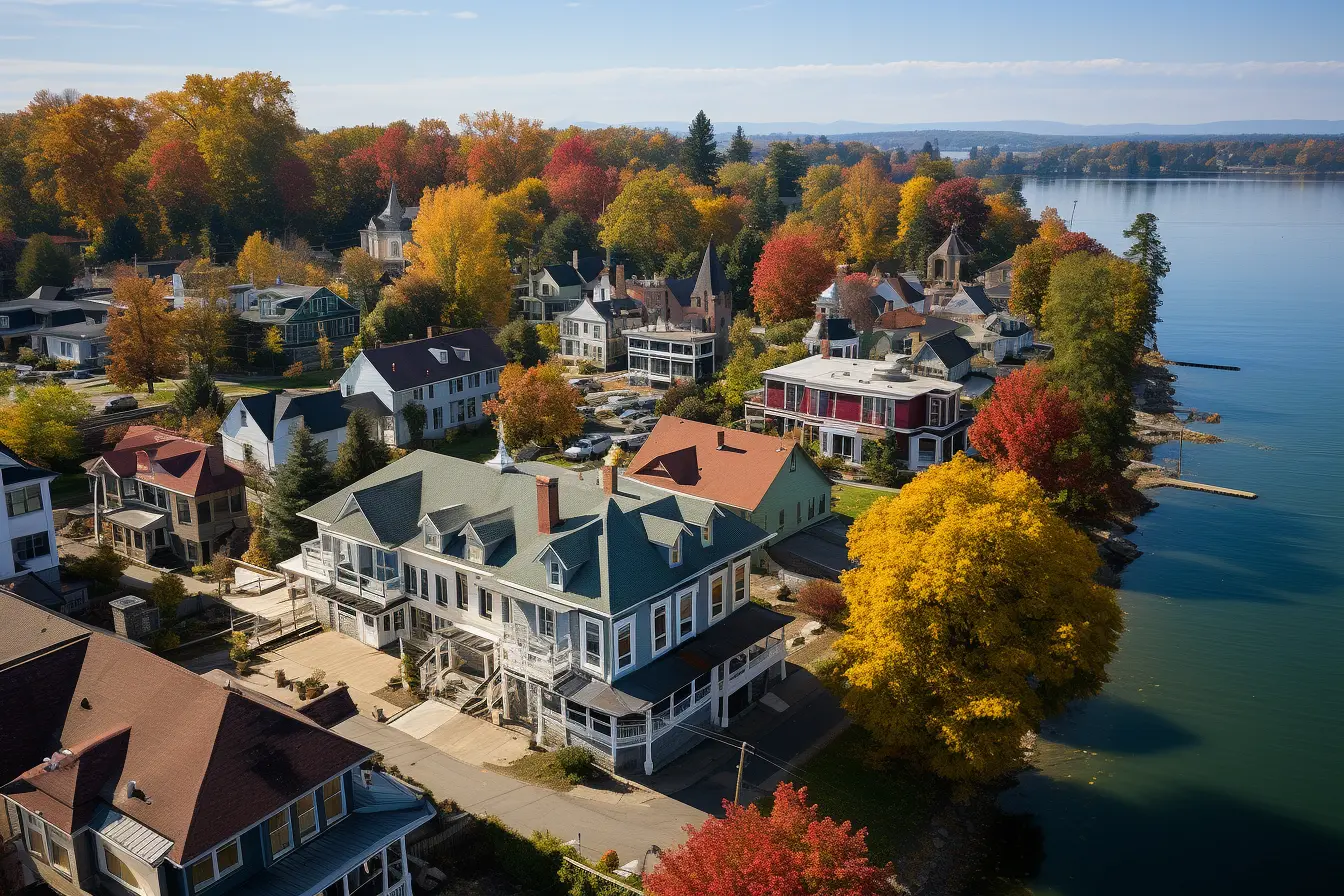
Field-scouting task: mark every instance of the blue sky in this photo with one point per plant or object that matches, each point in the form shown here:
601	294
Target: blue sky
356	61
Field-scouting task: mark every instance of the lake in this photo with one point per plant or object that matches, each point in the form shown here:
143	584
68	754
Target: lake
1212	761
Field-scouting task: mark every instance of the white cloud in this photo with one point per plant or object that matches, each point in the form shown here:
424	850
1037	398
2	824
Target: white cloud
464	14
398	12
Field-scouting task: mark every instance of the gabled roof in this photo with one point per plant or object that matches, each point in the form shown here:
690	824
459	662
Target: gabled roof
14	469
171	461
591	268
950	348
954	246
423	361
602	538
911	293
684	456
564	275
904	320
321	411
970	299
207	762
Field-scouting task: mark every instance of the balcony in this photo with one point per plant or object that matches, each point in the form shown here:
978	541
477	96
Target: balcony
317	562
535	657
748	665
366	585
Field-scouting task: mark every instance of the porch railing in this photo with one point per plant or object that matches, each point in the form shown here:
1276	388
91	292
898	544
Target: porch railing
535	657
315	559
365	584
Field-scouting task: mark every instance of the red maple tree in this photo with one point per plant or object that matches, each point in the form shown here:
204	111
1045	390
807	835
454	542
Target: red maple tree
577	180
960	202
793	269
1077	241
1028	426
790	852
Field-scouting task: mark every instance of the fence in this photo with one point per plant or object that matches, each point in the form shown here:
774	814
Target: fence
455	829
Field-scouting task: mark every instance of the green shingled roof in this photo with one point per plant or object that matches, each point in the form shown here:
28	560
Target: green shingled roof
613	530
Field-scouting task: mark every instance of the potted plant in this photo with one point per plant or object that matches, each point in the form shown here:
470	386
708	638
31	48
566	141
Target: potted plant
241	654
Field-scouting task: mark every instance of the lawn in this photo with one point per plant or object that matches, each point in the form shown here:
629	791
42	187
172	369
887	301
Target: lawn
853	500
541	769
309	379
895	802
478	446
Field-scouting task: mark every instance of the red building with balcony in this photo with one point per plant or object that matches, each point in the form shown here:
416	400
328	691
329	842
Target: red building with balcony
844	402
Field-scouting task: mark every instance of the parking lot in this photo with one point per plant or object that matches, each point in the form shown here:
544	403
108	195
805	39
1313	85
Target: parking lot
622	417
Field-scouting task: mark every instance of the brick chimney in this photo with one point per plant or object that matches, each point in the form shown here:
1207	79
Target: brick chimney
574	260
610	478
548	504
431	332
620	281
718	439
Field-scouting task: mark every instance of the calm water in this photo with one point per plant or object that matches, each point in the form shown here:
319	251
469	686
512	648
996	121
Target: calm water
1214	760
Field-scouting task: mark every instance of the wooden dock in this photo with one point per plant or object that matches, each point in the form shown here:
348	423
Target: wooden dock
1163	481
1205	366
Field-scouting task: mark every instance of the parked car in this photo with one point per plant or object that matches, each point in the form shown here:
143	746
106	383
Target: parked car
630	414
587	410
632	442
588	447
120	403
622	403
82	375
644	423
648	402
585	384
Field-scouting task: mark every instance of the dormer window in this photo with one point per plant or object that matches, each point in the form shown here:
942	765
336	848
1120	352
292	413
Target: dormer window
475	553
432	540
553	575
707	534
674	553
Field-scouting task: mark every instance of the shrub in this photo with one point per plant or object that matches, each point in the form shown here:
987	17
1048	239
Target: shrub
609	861
823	600
27	355
575	762
830	465
163	641
294	370
789	332
202	571
65	364
587	368
78	528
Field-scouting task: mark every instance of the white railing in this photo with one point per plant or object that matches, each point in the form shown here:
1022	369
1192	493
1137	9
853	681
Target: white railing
315	559
536	657
397	889
364	584
767	657
630	733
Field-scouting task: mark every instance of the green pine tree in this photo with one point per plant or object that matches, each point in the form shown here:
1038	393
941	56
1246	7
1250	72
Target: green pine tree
786	164
1148	252
42	263
700	154
562	236
121	241
304	478
361	453
196	391
739	150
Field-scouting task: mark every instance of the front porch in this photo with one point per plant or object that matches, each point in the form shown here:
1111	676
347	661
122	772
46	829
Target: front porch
140	534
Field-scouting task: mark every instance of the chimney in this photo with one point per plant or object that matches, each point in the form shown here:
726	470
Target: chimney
610	476
718	439
916	341
574	260
548	504
430	332
620	281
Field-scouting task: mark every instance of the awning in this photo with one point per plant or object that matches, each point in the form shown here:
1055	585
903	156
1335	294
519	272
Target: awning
137	519
362	604
130	834
644	687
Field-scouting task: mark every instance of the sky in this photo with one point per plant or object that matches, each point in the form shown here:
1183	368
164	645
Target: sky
617	61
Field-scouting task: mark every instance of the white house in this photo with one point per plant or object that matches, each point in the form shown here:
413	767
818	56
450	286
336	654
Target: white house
450	376
592	331
27	526
83	343
261	428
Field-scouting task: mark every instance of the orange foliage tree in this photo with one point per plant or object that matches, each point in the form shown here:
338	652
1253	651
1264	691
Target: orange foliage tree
793	269
536	404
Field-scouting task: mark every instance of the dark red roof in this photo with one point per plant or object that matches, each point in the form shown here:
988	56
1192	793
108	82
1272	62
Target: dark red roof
160	456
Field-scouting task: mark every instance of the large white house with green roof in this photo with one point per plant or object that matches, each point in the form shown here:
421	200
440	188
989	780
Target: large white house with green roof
594	609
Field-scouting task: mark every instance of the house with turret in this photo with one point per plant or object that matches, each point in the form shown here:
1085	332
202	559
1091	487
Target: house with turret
389	232
686	336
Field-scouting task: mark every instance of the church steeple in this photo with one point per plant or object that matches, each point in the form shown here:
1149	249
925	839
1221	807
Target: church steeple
394	211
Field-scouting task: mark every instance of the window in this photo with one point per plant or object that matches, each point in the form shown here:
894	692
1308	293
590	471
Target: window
191	550
242	415
408	573
674	553
23	500
716	597
431	539
431	390
115	867
475	553
461	590
333	800
4	321
625	644
387	623
35	836
554	578
707	534
800	512
183	510
793	462
781	518
277	830
739	583
221	505
307	808
424	585
26	547
811	507
59	848
685	614
658	623
437	419
418	394
506	607
471	407
592	644
485	603
824	502
139	540
546	622
212	867
440	591
204	509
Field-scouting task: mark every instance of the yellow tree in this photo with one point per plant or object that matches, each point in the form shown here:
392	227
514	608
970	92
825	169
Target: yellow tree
650	219
823	196
520	213
869	221
536	404
203	333
324	352
40	425
363	275
973	616
720	218
914	200
262	261
142	332
82	144
458	246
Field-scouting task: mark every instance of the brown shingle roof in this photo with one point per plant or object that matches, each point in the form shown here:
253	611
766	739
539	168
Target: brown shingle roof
210	762
900	319
684	456
172	461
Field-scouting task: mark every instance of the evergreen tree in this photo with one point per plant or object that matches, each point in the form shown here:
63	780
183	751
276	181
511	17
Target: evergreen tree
121	241
197	391
739	150
361	453
786	164
740	264
42	263
1148	252
518	341
700	155
305	477
562	236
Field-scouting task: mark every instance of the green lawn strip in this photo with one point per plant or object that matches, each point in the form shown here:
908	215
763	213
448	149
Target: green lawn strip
69	486
478	446
541	769
309	379
852	500
894	801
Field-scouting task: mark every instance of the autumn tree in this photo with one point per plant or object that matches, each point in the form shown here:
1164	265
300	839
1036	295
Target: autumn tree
792	851
263	262
502	150
142	335
853	294
1031	278
363	274
39	426
203	330
748	360
578	180
536	404
303	479
408	308
973	616
720	219
518	341
180	184
363	452
652	218
700	157
823	196
958	202
1032	426
458	246
82	145
792	272
869	221
520	214
739	148
42	263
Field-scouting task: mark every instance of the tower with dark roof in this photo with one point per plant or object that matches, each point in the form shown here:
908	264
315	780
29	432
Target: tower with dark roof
946	261
712	296
389	231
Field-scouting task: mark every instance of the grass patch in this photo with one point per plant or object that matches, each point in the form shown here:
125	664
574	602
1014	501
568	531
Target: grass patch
309	379
478	446
71	488
852	500
541	769
893	800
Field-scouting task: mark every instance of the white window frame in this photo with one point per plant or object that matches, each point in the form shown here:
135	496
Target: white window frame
745	566
674	553
723	578
33	824
625	625
340	790
66	843
545	621
105	849
317	824
684	593
213	858
584	622
665	605
555	576
289	832
707	533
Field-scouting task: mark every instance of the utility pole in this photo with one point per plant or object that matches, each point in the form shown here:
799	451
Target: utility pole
741	761
1072	213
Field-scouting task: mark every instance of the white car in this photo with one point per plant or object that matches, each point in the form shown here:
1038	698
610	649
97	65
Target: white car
632	442
588	447
644	423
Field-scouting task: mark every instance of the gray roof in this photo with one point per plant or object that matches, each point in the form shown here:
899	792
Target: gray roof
711	277
130	834
833	329
417	363
610	543
287	298
321	411
971	299
954	246
80	330
951	349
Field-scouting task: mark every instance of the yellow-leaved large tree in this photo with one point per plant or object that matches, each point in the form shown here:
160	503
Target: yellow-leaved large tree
973	616
459	247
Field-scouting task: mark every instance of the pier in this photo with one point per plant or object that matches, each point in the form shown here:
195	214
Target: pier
1167	482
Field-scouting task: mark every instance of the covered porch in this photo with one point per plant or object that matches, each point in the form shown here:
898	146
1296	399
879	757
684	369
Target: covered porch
458	666
366	620
140	534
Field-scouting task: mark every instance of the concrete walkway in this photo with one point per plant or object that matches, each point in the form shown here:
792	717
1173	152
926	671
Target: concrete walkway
363	669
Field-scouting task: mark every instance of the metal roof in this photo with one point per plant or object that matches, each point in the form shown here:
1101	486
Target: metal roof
141	842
